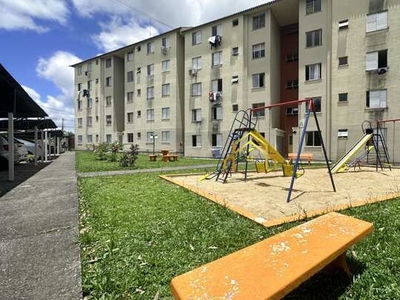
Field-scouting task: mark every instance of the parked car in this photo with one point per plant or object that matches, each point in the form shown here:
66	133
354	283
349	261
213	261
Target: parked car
30	146
20	151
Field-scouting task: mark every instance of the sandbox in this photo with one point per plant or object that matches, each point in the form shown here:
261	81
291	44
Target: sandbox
262	197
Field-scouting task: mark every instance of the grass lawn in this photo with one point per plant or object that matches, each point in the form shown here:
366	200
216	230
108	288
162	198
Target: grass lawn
139	231
86	162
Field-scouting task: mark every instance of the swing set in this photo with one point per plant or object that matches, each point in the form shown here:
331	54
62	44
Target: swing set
243	139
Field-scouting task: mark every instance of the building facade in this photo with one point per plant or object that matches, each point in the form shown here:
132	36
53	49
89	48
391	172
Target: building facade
181	90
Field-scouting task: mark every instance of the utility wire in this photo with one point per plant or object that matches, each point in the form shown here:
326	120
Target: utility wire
143	13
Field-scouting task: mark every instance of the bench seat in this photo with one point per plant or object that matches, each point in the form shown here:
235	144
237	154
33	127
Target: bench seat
274	267
303	156
153	157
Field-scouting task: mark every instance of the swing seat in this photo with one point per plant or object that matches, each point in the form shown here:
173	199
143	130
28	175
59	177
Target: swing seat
288	171
261	166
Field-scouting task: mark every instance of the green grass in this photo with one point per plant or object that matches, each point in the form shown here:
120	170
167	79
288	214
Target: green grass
86	162
139	231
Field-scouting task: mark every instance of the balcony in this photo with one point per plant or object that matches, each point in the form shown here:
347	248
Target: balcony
215	41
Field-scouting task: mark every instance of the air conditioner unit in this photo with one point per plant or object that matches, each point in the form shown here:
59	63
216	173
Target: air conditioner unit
164	49
382	71
193	72
218	96
211	96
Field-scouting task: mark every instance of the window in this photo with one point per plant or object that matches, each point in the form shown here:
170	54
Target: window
313	6
165	113
129	76
138	136
196	38
89	67
108	81
79	104
97	118
79	122
79	70
165	136
314	38
216	113
150	115
376	99
150	137
97	138
376	6
150	48
291	57
165	42
150	70
376	60
235	22
292	111
79	86
139	48
138	70
108	101
235	51
138	92
258	80
344	24
377	21
292	84
313	139
235	79
343	97
129	117
150	93
89	102
259	21
316	103
217	58
80	140
89	139
196	63
216	30
129	56
138	114
196	89
129	97
165	65
196	115
108	138
259	50
165	89
89	85
313	72
89	121
130	137
216	140
108	63
235	107
216	85
343	133
258	113
343	61
196	140
108	120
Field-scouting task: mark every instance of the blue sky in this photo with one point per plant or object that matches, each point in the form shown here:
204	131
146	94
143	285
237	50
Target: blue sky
41	38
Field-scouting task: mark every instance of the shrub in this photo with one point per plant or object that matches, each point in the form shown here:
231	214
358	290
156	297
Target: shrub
128	158
114	147
101	150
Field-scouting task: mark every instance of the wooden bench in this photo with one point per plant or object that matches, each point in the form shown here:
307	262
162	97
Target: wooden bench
303	156
170	157
274	267
153	157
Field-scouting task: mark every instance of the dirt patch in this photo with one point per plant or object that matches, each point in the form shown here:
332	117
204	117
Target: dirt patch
263	196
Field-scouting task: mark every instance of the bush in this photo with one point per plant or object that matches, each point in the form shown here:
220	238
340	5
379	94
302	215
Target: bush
101	151
114	147
128	159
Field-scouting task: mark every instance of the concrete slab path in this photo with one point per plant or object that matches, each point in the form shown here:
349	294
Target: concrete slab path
39	250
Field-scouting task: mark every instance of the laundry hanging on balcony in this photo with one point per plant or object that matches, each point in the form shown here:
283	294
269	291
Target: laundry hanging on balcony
215	41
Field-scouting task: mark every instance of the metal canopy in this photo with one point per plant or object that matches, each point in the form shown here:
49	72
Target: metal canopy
29	124
14	99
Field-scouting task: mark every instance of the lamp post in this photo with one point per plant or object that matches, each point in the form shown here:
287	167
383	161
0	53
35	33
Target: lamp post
153	136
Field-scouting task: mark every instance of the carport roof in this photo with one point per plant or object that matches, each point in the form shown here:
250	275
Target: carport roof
28	124
13	98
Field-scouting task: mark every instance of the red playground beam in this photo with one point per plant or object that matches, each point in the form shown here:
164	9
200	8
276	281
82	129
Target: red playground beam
389	120
309	100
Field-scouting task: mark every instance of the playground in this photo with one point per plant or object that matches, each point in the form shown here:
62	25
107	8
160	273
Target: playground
263	196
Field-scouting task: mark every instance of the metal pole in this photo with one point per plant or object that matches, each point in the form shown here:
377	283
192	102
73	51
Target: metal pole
36	145
10	146
324	150
45	146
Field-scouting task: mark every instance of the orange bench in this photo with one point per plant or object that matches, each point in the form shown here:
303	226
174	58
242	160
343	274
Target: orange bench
303	156
153	157
170	157
274	267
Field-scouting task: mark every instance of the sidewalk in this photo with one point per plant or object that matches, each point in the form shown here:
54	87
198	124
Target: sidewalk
39	250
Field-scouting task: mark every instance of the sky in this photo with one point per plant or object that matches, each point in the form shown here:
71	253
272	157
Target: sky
40	39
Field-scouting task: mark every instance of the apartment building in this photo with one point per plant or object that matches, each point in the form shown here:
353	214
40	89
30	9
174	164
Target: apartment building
342	54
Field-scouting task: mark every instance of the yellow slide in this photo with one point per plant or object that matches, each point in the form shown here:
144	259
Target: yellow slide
341	162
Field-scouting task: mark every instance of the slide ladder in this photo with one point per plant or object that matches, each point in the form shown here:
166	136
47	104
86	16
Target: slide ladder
340	165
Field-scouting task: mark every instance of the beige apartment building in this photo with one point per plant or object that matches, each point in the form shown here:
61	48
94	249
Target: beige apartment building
186	86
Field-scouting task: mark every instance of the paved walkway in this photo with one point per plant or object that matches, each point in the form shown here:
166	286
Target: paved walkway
39	250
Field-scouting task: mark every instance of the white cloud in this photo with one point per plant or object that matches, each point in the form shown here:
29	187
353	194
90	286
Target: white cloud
25	14
118	33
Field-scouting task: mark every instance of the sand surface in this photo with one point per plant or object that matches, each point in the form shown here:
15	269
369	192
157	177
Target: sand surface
264	196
